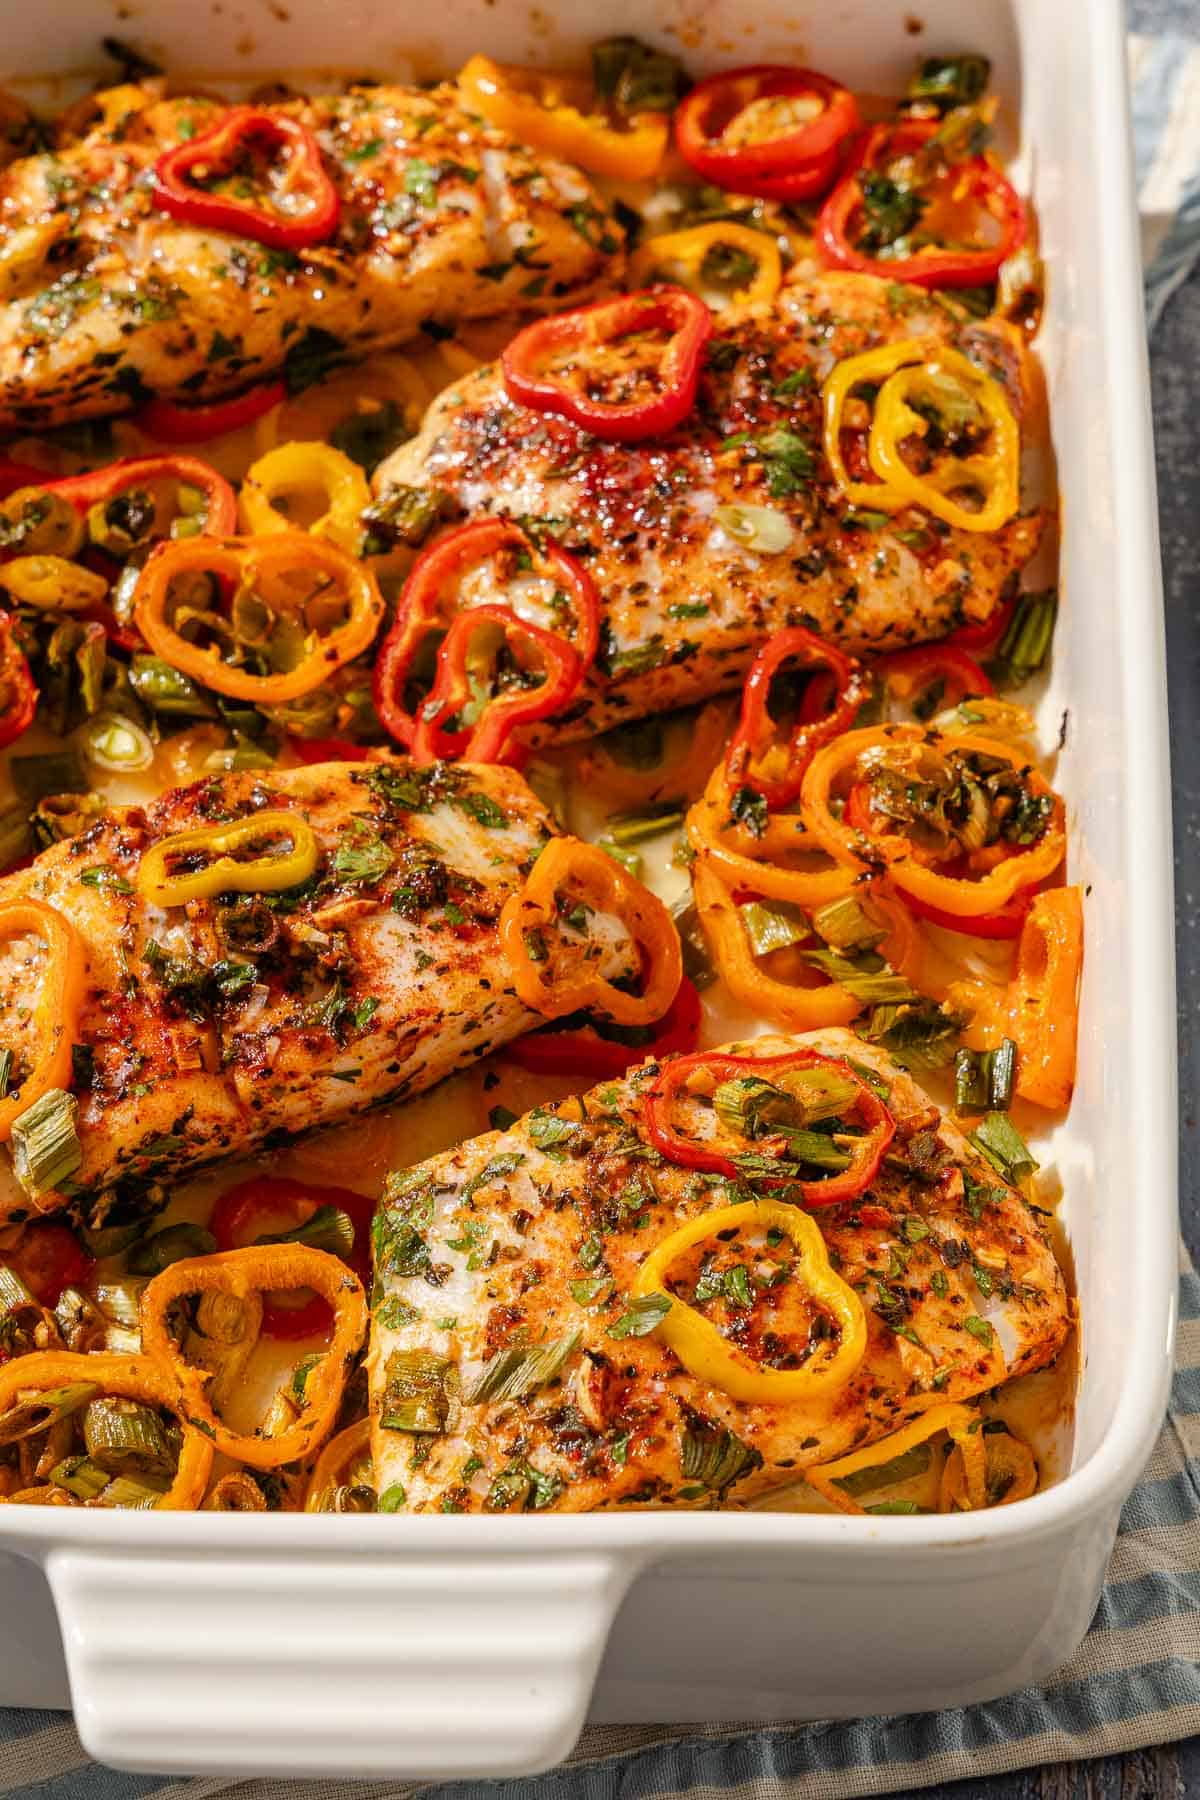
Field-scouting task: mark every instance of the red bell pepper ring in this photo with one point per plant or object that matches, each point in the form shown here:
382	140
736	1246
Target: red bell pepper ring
931	266
554	363
430	601
264	1204
172	424
217	151
756	730
582	1051
49	1257
910	673
98	486
18	694
489	738
710	1068
796	163
1006	922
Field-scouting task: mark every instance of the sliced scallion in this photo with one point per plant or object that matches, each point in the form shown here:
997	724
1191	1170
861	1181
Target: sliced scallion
40	1411
714	1457
135	1493
773	927
886	1474
45	1144
697	962
866	976
124	1436
845	926
329	1228
635	828
171	1245
419	1392
1026	643
513	1373
628	859
165	690
817	1149
116	743
983	1079
80	1476
759	528
13	1292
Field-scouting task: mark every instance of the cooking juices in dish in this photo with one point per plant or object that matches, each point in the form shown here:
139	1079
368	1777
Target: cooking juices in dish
617	665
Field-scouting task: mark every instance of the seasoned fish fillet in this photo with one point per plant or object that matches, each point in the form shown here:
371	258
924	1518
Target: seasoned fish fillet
212	1029
684	604
443	218
535	1234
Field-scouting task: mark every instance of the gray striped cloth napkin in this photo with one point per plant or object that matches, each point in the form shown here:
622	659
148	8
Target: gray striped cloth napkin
1135	1680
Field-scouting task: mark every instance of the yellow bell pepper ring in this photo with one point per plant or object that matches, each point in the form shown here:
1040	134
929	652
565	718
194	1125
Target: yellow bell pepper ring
699	257
305	471
61	987
711	1358
921	370
993	473
961	1424
196	864
560	115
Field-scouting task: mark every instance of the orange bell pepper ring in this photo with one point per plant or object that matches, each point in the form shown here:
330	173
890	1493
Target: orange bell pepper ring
974	880
299	604
555	974
60	990
782	1002
255	1270
1039	1008
559	114
772	854
125	1378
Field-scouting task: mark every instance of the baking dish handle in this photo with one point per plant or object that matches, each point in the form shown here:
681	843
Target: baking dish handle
425	1666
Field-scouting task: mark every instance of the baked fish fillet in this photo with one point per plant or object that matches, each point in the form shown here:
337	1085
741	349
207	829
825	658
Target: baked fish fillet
215	1028
443	219
685	605
535	1235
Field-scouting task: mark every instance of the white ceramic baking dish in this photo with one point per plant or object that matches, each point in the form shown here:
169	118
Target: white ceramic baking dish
443	1646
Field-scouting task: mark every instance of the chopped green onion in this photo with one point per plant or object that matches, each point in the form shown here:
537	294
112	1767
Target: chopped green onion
843	924
45	1144
80	1476
419	1392
120	1301
513	1373
714	1457
116	743
757	528
165	690
876	985
134	1492
40	1411
172	1245
921	1036
817	1149
998	1139
908	1508
635	828
697	962
948	81
1026	643
13	1292
773	927
123	1436
983	1079
329	1229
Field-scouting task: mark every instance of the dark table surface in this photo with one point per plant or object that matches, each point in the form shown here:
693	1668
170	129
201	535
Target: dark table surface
1174	1769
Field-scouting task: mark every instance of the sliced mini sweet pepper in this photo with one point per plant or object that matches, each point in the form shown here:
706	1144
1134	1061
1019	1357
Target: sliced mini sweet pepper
606	367
99	495
767	129
712	1358
554	974
440	582
930	676
1039	1007
719	254
251	1211
254	1271
948	225
771	854
755	756
798	1080
204	860
289	586
473	710
308	471
974	880
581	1050
201	181
59	985
173	424
561	115
961	1424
